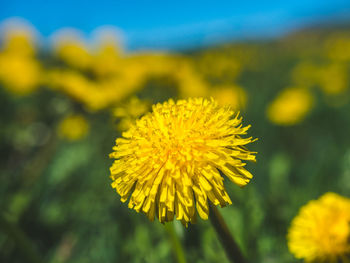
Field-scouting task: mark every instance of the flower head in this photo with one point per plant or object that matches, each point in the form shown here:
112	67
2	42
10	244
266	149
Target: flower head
321	230
20	71
71	49
172	160
19	41
20	75
338	47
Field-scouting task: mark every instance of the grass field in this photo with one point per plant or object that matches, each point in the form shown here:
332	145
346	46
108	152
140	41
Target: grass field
63	107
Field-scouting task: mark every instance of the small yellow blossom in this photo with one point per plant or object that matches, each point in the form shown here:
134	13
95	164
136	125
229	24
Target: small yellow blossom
306	74
184	72
321	230
20	72
135	70
20	75
107	58
72	50
123	76
73	127
75	85
338	47
291	106
218	65
172	161
334	79
129	112
230	95
94	95
19	41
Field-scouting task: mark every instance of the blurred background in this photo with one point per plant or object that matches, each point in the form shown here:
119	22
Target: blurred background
75	74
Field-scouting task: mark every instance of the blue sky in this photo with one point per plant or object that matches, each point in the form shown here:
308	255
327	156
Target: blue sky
175	24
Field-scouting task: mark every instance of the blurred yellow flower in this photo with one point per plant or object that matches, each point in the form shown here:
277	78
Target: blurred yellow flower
19	74
73	127
170	162
334	79
94	95
290	107
73	51
140	67
230	95
129	112
338	47
218	65
119	77
75	85
189	81
107	59
321	230
306	73
19	41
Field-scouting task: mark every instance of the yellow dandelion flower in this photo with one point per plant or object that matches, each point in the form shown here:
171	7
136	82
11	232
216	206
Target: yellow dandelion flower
74	84
94	95
70	48
306	73
129	112
233	96
73	127
20	75
20	71
171	162
321	230
184	73
334	79
338	47
219	65
19	41
108	54
290	107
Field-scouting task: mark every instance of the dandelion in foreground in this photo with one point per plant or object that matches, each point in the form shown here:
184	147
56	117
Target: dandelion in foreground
321	230
172	160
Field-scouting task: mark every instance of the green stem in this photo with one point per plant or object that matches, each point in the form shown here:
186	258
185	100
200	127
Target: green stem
232	250
23	243
177	247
